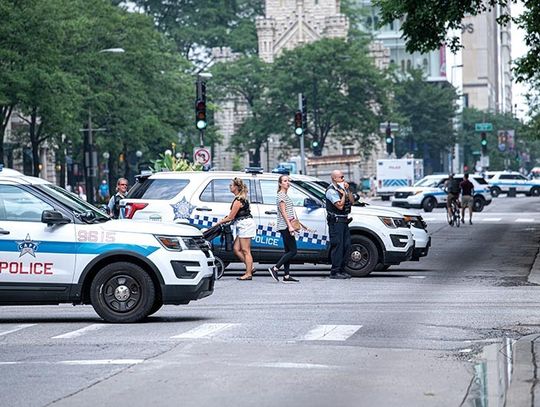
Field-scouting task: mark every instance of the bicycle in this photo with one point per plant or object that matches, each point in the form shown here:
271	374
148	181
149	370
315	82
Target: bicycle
454	218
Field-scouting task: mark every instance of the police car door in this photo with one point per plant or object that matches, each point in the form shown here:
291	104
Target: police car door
311	243
521	183
37	261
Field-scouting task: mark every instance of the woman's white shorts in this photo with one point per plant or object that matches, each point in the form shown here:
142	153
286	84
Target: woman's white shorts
245	228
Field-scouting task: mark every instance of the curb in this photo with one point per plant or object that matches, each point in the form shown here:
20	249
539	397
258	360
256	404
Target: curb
534	275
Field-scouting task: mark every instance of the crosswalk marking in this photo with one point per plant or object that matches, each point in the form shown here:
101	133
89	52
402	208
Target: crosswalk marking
490	219
204	330
525	220
17	328
331	332
80	332
102	362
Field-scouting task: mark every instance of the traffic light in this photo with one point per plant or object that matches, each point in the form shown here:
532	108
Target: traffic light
298	129
200	114
483	142
389	140
316	148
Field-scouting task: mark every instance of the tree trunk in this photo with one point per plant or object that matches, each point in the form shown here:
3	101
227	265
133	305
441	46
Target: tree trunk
5	115
34	142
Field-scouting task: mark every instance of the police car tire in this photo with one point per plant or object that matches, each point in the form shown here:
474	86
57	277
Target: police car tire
478	204
429	204
119	274
381	267
535	191
156	307
495	192
367	248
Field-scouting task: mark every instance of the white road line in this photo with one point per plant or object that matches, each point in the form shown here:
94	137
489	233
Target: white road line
80	332
18	328
203	331
491	219
430	219
287	365
525	220
331	332
101	362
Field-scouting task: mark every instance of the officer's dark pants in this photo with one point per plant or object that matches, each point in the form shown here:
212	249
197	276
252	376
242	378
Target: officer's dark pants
340	244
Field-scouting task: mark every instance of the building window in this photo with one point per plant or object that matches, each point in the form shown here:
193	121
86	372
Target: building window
348	150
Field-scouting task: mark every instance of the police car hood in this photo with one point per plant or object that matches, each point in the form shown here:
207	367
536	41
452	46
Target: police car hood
369	211
414	190
161	228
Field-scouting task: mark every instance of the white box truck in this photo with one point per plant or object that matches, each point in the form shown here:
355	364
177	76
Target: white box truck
395	173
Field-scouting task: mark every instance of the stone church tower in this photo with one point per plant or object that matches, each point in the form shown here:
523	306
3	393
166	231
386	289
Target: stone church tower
290	23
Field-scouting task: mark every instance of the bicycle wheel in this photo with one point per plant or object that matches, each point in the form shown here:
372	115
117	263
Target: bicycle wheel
457	217
449	218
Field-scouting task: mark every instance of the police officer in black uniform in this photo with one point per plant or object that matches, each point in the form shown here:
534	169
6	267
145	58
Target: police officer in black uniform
339	200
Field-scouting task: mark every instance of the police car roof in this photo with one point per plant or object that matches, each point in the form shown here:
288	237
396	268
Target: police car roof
211	174
7	174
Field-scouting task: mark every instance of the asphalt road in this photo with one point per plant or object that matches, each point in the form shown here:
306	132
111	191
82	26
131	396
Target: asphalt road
431	333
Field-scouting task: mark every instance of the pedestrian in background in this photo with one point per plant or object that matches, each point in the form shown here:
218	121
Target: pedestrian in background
339	200
243	226
104	191
285	217
467	201
114	202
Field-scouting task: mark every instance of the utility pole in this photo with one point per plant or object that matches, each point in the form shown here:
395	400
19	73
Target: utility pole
302	136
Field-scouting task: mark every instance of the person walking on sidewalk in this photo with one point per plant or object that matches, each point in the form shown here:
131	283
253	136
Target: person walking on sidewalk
339	200
285	216
244	225
467	200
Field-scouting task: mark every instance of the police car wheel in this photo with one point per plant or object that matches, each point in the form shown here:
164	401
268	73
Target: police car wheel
428	204
156	307
382	267
363	257
478	204
122	292
535	191
495	192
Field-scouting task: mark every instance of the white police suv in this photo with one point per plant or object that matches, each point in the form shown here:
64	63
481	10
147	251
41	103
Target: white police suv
422	240
428	193
56	248
501	182
202	198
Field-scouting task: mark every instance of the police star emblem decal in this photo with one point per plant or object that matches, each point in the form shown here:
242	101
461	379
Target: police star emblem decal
28	246
182	209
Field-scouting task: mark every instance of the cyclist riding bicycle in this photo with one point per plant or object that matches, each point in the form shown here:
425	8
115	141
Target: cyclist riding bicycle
452	189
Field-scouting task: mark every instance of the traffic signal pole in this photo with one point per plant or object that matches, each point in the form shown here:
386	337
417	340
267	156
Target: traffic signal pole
302	147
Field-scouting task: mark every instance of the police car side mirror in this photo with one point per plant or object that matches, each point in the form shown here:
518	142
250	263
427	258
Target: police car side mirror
311	203
53	218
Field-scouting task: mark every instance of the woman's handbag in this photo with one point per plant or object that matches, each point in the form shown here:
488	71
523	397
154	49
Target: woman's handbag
297	226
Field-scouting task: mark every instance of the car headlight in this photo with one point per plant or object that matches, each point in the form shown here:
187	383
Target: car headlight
418	192
190	243
393	223
170	242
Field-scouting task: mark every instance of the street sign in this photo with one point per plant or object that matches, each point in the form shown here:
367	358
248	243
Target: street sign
202	155
483	127
393	126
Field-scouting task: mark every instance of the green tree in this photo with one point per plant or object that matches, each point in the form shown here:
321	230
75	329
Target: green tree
346	94
426	25
246	80
498	160
427	110
199	26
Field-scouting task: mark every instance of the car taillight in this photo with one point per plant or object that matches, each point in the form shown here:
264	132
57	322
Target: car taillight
131	208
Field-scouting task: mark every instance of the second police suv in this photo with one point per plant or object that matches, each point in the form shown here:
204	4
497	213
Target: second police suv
379	236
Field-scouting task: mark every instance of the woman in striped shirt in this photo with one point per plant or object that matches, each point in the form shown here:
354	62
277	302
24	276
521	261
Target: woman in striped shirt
285	216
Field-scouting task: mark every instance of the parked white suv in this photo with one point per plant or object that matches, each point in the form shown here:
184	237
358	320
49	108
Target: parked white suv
502	181
56	248
428	193
202	198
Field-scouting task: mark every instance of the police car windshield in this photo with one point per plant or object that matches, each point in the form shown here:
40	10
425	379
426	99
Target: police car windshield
313	188
74	203
427	183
